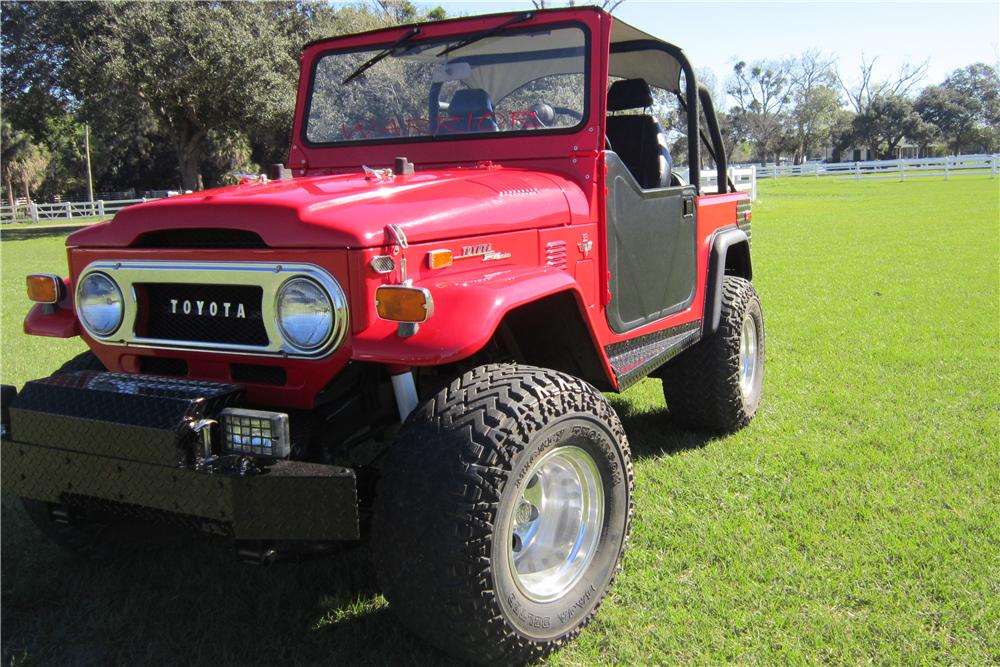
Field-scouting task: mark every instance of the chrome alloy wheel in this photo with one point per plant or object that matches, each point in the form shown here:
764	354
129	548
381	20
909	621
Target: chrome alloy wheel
748	355
556	524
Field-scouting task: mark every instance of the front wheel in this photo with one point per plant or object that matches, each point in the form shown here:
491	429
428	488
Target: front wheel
503	513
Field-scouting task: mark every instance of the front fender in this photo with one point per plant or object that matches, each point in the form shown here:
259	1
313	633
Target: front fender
466	315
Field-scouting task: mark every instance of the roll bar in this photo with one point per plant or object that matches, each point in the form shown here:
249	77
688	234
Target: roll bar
718	148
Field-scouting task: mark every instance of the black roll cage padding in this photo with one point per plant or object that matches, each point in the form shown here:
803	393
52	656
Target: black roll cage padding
691	81
722	175
719	152
721	244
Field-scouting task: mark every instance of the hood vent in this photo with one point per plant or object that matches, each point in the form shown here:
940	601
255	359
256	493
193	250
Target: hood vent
199	238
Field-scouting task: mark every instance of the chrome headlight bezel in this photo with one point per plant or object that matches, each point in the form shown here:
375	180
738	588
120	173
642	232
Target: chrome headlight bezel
80	305
336	318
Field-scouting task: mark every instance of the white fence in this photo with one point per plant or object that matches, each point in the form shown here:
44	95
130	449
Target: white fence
959	165
744	178
64	211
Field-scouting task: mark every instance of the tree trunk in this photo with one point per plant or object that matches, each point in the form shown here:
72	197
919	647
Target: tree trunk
188	162
189	157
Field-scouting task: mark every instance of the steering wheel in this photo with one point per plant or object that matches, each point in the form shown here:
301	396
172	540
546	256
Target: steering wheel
546	114
566	111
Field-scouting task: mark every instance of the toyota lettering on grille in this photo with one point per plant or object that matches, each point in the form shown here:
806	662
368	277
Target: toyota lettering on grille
208	308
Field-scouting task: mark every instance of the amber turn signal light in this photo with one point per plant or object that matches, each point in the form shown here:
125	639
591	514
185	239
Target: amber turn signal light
45	288
439	259
399	303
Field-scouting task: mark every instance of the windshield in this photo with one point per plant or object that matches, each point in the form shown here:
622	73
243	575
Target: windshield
515	82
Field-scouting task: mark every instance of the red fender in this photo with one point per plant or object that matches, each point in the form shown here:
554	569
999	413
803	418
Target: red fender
58	323
55	321
466	315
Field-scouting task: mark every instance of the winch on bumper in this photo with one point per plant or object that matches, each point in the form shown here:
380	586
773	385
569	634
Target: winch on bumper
136	445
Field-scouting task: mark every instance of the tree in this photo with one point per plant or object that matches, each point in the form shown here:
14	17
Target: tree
816	103
863	93
15	146
23	162
762	93
965	108
37	40
886	121
192	68
67	169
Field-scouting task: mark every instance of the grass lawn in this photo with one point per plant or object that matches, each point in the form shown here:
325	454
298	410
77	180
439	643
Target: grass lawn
50	223
855	521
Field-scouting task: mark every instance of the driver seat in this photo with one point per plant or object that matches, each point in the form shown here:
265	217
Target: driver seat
470	110
638	139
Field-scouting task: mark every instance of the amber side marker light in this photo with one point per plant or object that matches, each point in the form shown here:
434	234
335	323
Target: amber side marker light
399	303
45	288
439	259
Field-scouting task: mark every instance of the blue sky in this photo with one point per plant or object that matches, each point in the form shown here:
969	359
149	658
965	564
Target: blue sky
949	35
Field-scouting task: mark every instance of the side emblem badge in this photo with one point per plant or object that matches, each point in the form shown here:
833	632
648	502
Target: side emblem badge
585	245
484	250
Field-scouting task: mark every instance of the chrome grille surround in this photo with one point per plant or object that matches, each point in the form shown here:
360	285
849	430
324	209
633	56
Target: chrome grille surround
266	275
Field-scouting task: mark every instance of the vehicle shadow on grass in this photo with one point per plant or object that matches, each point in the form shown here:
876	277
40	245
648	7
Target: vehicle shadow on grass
193	603
29	234
654	433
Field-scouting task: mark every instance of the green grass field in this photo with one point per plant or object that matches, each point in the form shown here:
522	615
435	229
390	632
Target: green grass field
854	522
41	224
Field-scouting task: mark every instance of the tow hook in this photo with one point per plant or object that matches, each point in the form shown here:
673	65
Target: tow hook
62	514
259	552
256	552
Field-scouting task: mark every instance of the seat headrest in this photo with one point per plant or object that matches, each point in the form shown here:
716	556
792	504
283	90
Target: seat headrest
474	101
629	94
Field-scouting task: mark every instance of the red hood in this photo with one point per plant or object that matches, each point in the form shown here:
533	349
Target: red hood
348	211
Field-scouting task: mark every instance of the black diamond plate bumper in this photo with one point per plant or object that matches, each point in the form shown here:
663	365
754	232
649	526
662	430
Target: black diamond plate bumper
124	442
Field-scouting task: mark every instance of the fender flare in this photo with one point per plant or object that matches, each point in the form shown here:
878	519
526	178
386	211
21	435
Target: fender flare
466	316
723	242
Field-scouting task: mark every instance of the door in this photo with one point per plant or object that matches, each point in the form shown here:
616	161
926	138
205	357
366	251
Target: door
651	248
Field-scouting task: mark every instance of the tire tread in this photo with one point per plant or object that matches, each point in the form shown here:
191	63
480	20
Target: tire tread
433	526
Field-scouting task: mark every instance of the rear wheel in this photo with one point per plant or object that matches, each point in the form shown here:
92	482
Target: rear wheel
503	513
717	384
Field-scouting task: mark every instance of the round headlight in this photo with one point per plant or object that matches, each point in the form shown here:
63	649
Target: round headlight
305	314
99	304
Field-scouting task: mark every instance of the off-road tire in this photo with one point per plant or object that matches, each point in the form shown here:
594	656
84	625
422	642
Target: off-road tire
702	385
94	535
450	484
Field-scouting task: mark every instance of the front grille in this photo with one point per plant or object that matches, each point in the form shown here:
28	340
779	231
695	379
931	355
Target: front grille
227	314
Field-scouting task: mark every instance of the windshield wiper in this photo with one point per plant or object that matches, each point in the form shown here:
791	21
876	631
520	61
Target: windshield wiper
520	18
379	57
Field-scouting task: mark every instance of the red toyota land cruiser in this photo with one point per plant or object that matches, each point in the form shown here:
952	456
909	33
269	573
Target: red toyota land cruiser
404	334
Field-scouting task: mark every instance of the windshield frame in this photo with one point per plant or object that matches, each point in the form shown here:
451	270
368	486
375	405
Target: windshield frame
469	136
